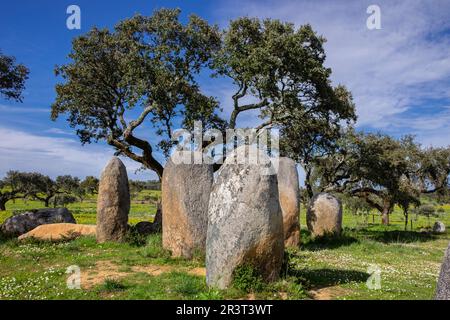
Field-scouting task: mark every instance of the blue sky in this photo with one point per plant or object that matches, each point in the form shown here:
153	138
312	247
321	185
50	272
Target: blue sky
399	75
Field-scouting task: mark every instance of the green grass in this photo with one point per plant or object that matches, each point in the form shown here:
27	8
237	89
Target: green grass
336	268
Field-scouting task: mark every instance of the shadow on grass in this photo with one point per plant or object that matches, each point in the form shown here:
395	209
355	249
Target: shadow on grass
351	236
320	278
397	236
326	241
4	239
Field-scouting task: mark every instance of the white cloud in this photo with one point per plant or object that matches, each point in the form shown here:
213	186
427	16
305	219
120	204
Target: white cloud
431	130
56	156
20	109
389	71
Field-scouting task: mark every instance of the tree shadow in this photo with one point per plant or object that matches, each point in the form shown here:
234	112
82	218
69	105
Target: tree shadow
329	241
397	236
351	236
326	277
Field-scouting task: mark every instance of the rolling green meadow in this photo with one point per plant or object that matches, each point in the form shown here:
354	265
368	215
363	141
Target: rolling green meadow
408	263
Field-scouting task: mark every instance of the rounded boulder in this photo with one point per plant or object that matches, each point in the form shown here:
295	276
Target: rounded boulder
324	216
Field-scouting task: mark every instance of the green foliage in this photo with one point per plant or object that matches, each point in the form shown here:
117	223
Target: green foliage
136	187
89	185
113	72
211	294
135	239
63	200
18	185
278	66
247	279
111	285
187	285
154	249
383	171
12	78
356	206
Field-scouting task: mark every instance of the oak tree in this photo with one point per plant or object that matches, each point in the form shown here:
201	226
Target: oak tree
12	78
145	72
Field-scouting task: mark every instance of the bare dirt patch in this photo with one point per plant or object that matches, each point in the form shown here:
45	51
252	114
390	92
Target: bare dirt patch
328	293
105	269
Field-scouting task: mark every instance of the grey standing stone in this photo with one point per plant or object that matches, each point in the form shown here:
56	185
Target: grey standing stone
288	190
443	285
245	225
24	222
439	227
185	195
113	202
324	215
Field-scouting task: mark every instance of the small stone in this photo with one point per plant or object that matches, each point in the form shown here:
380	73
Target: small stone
324	216
113	203
439	227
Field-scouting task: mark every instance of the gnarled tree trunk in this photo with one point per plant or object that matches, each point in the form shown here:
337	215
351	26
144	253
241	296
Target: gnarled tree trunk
387	208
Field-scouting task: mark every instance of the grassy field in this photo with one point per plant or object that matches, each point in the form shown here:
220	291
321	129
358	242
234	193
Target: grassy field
408	263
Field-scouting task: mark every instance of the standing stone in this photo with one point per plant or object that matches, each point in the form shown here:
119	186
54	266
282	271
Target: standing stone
245	225
185	195
439	227
288	190
113	203
443	285
324	215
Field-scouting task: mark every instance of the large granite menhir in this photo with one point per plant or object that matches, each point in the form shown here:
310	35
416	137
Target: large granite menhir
113	202
324	216
288	190
186	187
245	225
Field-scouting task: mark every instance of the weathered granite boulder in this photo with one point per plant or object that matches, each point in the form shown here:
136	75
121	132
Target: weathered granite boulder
288	190
59	231
443	285
439	227
185	196
245	224
24	222
324	216
113	202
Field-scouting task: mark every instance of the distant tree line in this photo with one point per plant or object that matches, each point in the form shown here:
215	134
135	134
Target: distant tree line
56	192
378	170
